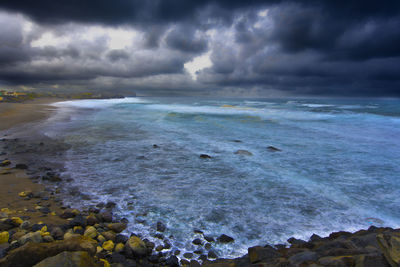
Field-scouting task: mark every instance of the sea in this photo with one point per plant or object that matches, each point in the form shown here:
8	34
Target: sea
336	165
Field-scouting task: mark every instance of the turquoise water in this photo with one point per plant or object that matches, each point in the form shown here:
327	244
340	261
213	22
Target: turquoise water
339	168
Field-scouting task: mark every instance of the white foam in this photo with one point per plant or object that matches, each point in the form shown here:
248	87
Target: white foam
100	103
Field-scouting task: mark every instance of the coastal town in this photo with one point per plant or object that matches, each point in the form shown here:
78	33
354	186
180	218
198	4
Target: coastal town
15	97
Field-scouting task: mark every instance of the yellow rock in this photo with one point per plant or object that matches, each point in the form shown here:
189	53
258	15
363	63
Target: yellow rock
53	213
24	193
4	236
101	238
16	220
108	245
6	210
75	212
43	234
77	228
99	249
40	222
70	235
105	263
90	232
44	229
38	207
119	247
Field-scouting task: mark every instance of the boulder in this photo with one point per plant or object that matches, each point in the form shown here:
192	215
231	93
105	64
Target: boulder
259	254
90	232
225	239
34	237
4	236
70	259
243	152
32	253
137	246
116	227
197	241
161	227
108	245
390	247
5	163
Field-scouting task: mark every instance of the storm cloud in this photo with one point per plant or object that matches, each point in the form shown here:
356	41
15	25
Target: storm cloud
245	48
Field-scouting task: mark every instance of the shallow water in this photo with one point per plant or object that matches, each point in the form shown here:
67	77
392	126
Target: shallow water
338	169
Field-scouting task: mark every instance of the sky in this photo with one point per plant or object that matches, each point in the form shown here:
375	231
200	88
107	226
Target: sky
253	48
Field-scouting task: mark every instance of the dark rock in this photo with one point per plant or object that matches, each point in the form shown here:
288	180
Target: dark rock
243	152
32	253
121	239
116	258
153	258
106	216
159	247
203	258
172	261
177	252
188	255
205	156
295	241
155	146
258	254
198	251
91	220
207	246
6	225
159	236
79	220
225	239
68	213
44	210
197	241
194	263
209	238
315	238
161	227
21	166
197	231
110	205
57	233
273	149
116	227
341	261
37	227
167	245
299	258
71	259
212	254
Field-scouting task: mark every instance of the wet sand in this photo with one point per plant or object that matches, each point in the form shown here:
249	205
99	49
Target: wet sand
14	181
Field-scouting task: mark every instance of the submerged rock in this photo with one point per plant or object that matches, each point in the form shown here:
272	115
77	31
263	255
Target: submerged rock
243	152
225	239
273	149
205	156
161	227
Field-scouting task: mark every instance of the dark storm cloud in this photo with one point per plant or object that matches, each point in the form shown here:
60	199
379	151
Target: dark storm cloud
302	47
185	39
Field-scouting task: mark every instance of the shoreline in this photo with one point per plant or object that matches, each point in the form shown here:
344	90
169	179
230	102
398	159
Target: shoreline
339	249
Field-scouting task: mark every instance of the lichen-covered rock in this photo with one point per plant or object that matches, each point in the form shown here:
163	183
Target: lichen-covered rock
119	247
116	227
390	246
4	236
70	259
16	221
34	237
137	246
109	235
108	245
32	253
90	232
258	254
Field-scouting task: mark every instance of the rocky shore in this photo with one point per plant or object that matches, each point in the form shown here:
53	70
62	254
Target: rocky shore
42	232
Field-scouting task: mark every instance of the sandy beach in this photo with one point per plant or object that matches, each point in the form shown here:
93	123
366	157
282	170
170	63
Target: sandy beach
14	181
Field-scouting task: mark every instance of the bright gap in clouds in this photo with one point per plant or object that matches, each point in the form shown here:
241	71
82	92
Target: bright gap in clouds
198	63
